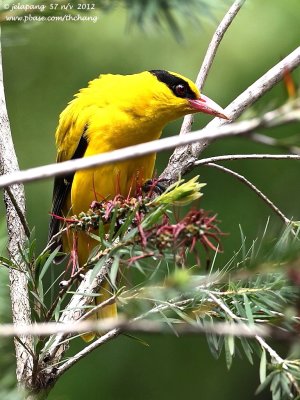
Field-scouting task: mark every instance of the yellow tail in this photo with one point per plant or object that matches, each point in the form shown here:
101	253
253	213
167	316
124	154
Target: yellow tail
109	311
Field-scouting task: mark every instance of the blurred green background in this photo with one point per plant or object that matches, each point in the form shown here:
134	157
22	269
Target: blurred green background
45	64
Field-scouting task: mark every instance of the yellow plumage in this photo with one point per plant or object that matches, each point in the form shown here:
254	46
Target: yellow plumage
115	111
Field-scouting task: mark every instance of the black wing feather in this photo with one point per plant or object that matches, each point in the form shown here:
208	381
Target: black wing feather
61	190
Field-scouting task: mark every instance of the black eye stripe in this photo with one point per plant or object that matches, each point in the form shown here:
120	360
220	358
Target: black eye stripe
172	82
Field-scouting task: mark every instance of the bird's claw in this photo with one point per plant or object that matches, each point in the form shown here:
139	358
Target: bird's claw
155	186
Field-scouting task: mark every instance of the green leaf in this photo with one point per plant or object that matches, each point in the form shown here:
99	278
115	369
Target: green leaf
57	310
231	344
37	297
31	250
243	247
93	236
139	340
266	382
286	385
48	263
99	264
129	218
215	343
248	310
40	291
228	353
263	366
7	263
112	225
154	217
114	271
247	349
101	231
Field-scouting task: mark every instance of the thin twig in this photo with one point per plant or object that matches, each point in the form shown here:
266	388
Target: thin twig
53	239
222	305
57	345
63	291
278	360
210	55
273	354
98	307
183	159
240	177
270	141
215	42
87	350
233	157
142	325
19	211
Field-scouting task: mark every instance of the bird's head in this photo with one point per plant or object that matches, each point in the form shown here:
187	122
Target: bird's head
157	95
173	95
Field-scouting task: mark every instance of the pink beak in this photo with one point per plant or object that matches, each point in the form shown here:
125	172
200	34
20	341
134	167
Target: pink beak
207	106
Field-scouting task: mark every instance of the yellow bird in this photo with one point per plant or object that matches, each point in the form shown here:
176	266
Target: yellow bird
116	111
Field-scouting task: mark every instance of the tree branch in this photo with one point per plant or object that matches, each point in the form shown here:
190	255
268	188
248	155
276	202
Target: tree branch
233	157
275	356
254	188
141	326
270	141
57	345
215	129
184	158
210	55
210	133
16	239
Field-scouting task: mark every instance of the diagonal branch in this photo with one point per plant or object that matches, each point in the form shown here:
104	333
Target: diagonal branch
210	55
270	141
58	344
183	159
254	188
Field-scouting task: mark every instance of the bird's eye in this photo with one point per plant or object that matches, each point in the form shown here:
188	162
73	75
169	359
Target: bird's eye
180	90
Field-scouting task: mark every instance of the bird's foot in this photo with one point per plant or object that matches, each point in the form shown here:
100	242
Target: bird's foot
155	187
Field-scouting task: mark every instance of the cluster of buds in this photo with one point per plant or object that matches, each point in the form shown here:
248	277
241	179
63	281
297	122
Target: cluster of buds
155	231
106	211
197	227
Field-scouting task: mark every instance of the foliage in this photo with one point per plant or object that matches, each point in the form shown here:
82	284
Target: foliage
143	13
138	234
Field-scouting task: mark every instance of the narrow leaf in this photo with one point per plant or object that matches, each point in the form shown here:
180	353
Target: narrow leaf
228	355
248	310
263	366
114	271
247	349
48	263
266	382
112	225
